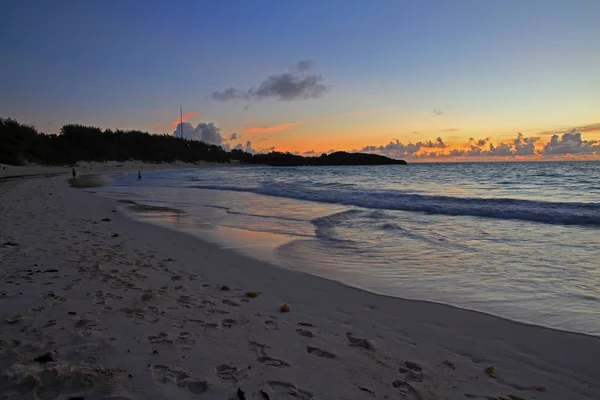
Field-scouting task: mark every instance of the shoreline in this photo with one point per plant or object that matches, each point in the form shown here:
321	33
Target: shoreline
400	330
227	247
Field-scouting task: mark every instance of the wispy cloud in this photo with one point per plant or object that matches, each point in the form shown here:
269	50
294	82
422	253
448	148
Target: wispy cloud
450	130
292	125
438	111
186	115
584	128
274	128
248	121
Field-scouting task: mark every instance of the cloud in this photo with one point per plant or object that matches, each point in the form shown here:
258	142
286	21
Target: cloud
525	146
274	128
397	149
233	136
571	143
229	94
310	153
186	115
245	147
502	149
585	128
589	128
519	146
437	111
305	65
204	132
248	121
293	125
297	84
450	130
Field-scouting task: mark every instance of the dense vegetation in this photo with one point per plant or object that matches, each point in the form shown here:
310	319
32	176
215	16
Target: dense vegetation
20	144
23	143
337	158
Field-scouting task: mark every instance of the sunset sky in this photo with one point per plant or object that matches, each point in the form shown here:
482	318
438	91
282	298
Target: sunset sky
421	80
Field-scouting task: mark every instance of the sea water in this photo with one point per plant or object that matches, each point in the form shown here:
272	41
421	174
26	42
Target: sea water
517	240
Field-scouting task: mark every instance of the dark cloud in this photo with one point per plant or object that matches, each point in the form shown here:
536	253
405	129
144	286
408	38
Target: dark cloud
297	84
397	149
246	147
570	143
310	153
233	136
204	132
519	146
525	146
437	111
230	94
305	65
502	149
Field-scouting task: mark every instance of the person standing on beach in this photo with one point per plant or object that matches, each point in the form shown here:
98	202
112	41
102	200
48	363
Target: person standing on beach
74	173
139	175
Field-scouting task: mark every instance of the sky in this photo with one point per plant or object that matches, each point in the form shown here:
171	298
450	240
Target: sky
421	80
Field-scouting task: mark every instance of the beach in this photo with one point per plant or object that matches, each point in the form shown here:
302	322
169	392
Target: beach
113	308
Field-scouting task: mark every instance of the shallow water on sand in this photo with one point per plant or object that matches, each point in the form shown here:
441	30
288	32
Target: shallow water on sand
518	240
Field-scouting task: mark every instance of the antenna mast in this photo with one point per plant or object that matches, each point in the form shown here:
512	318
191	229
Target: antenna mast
181	121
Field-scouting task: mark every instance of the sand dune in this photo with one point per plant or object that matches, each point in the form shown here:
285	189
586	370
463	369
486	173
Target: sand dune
94	305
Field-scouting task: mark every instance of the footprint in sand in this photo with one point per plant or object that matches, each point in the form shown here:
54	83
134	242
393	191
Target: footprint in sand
165	375
228	323
364	343
406	390
412	371
272	361
213	311
319	352
184	338
271	323
290	389
86	323
204	324
258	349
229	373
158	338
304	332
230	303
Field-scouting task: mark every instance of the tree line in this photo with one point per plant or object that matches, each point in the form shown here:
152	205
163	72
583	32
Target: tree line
21	144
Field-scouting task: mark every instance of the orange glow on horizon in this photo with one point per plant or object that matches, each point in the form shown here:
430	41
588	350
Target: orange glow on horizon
186	115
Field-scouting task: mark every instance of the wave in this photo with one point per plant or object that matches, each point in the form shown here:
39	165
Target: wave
586	214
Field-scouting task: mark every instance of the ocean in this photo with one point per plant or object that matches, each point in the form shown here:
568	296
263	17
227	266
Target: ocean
516	240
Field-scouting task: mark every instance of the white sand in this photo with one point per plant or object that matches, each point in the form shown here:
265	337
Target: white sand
142	316
83	168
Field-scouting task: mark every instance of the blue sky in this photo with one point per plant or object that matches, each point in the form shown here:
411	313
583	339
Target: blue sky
491	68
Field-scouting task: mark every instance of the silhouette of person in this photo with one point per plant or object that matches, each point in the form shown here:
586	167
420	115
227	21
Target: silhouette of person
139	175
74	173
